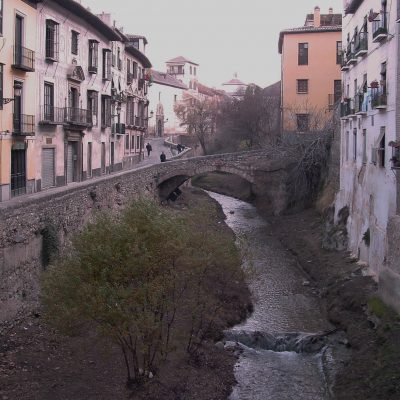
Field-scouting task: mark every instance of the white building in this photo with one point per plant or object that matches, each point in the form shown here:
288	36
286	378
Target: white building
184	70
368	118
235	87
164	93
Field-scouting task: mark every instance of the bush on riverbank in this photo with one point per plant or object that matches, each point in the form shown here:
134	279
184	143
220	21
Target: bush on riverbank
155	281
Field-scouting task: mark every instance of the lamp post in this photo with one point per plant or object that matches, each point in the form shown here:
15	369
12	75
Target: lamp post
17	93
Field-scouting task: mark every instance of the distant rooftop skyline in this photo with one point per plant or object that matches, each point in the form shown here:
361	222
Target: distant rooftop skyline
224	37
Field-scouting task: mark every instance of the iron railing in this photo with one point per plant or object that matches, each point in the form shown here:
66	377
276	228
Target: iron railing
361	43
52	115
23	125
379	98
118	128
379	26
78	116
24	59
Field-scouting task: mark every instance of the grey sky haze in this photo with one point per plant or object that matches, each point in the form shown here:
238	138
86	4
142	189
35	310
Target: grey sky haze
223	36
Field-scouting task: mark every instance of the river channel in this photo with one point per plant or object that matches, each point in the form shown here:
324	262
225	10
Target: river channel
284	352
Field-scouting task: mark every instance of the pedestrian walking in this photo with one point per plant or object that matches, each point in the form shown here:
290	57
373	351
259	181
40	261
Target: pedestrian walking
163	157
149	149
179	148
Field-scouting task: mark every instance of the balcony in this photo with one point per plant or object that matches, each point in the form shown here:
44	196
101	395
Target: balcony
23	125
361	44
50	115
92	69
118	128
345	66
379	27
129	78
24	59
347	108
350	54
361	106
78	116
141	83
379	99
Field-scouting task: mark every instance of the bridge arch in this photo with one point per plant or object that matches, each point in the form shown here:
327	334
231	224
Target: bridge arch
171	180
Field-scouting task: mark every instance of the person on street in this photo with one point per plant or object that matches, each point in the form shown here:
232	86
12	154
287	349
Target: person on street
149	149
163	157
179	148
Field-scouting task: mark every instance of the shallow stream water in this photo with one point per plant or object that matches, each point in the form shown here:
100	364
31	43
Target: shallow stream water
281	357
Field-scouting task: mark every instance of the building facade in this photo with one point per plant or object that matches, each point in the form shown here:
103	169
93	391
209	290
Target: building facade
368	131
18	21
79	92
310	71
164	93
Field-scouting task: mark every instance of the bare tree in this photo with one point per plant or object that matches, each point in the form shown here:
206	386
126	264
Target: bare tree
199	116
250	122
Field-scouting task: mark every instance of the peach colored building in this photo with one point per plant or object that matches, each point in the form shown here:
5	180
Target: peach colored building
311	77
17	102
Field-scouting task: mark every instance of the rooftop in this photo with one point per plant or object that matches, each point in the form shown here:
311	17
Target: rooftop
131	37
93	20
165	79
181	59
132	50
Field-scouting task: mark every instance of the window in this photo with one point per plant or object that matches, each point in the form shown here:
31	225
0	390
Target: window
92	105
48	106
339	53
355	144
1	17
364	154
74	42
175	98
303	53
137	143
191	70
1	85
93	56
302	85
133	143
383	77
119	59
130	111
337	90
382	148
127	140
89	160
194	71
135	70
52	40
302	122
105	111
347	145
106	65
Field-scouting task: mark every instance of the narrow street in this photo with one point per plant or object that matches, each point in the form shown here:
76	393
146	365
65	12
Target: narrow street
158	146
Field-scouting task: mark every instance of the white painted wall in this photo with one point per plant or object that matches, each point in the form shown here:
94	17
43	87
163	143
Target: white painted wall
369	189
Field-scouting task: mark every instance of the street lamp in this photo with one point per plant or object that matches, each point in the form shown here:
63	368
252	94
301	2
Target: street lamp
17	93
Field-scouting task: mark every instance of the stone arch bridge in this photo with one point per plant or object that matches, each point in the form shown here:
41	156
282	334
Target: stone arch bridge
267	171
24	221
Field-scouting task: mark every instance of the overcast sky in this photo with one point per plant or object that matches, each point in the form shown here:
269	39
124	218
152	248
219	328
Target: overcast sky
223	36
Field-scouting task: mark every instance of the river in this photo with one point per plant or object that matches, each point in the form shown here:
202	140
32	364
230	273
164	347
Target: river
284	352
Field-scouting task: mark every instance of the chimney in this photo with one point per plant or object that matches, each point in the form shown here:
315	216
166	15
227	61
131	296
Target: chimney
317	17
330	10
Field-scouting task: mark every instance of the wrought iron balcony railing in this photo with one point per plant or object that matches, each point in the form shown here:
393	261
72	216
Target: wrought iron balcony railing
24	59
52	115
361	44
379	27
23	125
78	116
379	98
118	128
